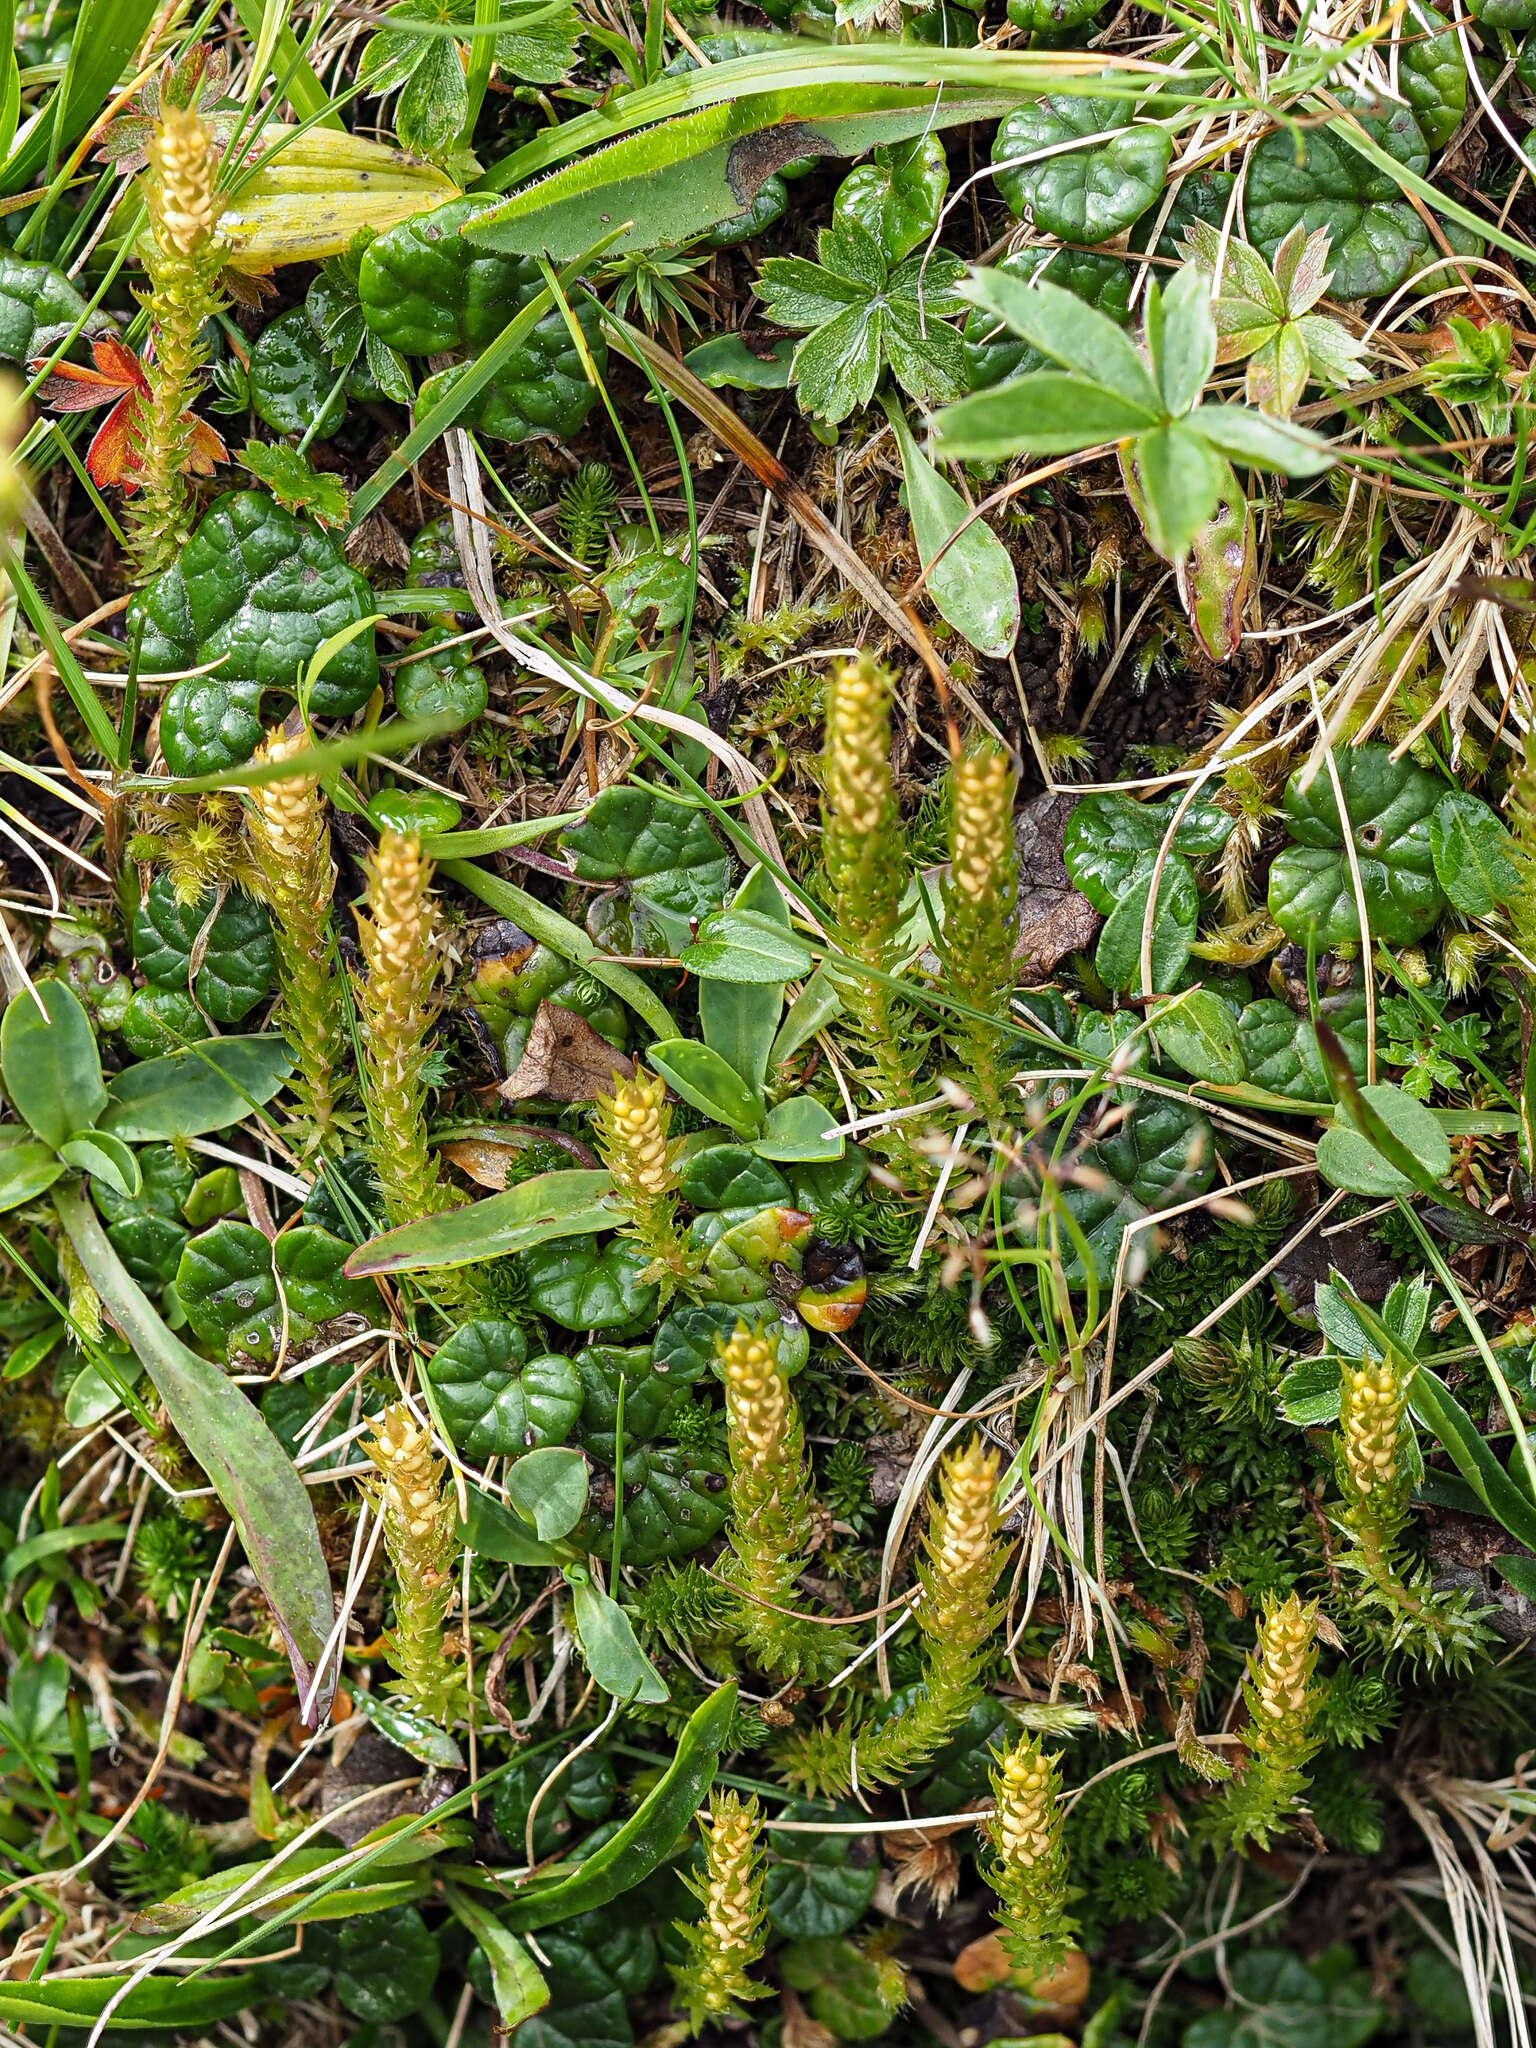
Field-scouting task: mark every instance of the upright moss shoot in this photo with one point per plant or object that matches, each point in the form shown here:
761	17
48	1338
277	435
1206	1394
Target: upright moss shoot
981	901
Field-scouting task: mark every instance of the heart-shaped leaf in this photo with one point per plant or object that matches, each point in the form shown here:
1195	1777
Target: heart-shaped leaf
665	853
495	1401
1084	194
1376	236
583	1286
1389	805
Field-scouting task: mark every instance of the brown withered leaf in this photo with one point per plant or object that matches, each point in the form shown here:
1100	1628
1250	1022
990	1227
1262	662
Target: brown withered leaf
488	1159
1054	920
565	1060
800	2030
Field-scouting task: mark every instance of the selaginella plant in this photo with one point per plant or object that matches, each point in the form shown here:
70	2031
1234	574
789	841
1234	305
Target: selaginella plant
956	1613
1282	1705
981	896
1028	1868
413	1498
632	1126
291	852
183	256
864	851
771	1505
732	1932
396	1002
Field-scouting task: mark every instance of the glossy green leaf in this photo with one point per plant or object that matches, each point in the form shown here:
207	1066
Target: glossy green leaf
188	1093
494	1400
813	1887
897	195
32	296
608	1644
675	1501
746	946
689	1341
995	351
549	1489
1281	1047
227	1286
257	591
731	1177
51	1067
1163	1153
1389	805
1321	182
1439	1410
1086	194
238	953
1175	920
1108	833
584	1286
709	1083
294	385
1475	858
665	854
800	1129
1199	1033
559	1204
648	1838
970	574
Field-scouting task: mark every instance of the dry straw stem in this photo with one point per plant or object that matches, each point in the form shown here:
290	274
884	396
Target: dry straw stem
291	851
732	1934
401	944
415	1503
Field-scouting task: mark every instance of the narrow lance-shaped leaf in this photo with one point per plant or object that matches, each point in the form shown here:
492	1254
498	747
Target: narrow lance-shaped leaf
264	1495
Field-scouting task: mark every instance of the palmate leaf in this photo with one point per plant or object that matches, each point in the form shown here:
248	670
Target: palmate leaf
863	317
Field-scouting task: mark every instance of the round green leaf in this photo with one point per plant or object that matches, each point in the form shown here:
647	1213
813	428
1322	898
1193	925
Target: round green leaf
1321	182
1163	1153
226	1284
32	296
1108	833
897	194
259	591
1389	804
292	378
666	855
385	1964
1200	1035
147	1229
161	1019
689	1341
731	1177
1475	858
813	1887
1282	1051
675	1501
425	290
440	682
239	958
1177	916
1431	74
309	1262
582	1286
495	1401
549	1488
652	1394
1087	194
